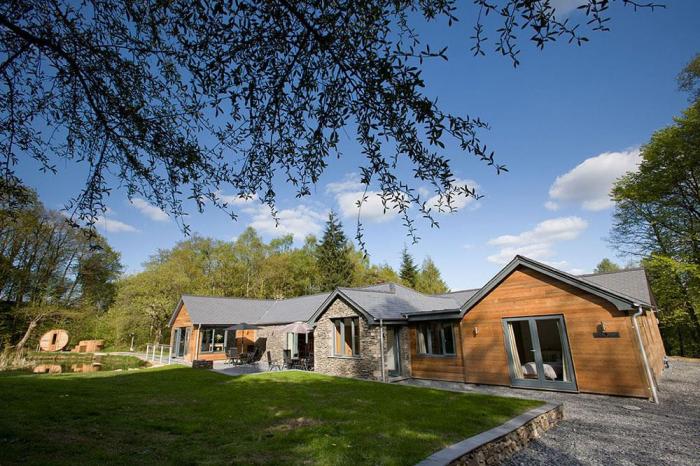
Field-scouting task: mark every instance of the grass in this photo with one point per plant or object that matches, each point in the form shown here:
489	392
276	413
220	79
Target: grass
109	361
186	416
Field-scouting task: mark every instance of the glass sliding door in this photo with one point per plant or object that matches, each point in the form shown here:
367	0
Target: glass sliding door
538	353
393	358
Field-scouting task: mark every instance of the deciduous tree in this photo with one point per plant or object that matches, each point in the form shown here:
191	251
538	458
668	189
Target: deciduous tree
178	100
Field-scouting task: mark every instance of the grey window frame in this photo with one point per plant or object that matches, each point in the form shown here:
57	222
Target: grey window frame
540	383
210	350
354	336
429	339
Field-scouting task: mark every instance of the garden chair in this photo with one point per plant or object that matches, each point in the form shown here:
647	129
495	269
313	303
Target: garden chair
233	356
287	361
272	365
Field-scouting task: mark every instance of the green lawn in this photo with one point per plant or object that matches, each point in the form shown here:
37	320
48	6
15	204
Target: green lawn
182	415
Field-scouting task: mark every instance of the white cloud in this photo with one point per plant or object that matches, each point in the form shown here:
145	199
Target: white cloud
458	202
372	208
539	242
350	182
589	183
149	210
551	205
299	221
235	199
113	226
349	191
565	7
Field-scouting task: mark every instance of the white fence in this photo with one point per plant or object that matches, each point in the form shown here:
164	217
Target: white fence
156	352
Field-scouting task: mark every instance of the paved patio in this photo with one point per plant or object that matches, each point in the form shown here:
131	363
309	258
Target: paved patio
604	430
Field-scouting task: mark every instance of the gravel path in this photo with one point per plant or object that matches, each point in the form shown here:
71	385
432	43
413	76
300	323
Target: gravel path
606	430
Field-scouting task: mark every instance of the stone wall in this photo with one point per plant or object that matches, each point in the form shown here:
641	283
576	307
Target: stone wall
368	364
497	451
271	338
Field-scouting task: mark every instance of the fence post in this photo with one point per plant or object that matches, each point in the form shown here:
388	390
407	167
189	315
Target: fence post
148	348
170	354
161	354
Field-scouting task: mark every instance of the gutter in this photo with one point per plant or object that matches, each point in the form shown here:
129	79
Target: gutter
645	360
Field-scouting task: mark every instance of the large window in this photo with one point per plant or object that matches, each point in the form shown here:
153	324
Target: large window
213	340
437	338
346	336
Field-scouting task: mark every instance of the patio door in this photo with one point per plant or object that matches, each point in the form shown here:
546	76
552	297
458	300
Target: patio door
181	340
393	356
538	353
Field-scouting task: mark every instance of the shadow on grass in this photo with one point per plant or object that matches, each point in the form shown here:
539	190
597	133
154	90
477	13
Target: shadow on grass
184	415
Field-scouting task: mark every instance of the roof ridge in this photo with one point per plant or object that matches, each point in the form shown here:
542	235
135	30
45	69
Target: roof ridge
594	274
270	300
229	297
365	290
456	291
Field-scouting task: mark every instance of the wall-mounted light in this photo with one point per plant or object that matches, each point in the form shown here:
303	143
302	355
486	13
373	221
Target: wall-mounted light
476	331
601	327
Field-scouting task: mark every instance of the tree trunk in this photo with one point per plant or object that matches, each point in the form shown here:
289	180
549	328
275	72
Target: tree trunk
680	341
32	325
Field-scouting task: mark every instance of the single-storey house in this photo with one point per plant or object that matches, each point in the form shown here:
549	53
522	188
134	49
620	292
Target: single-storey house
530	326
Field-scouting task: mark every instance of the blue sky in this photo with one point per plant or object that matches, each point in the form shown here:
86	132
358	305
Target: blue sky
566	123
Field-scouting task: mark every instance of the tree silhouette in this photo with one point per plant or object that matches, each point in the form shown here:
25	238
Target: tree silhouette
176	101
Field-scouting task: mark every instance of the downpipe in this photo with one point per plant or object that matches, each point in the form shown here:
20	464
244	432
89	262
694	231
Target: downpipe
381	348
645	360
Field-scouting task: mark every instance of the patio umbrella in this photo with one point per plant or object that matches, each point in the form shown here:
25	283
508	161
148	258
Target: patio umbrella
298	327
243	326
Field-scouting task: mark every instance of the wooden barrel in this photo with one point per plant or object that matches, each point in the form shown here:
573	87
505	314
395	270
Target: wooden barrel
54	340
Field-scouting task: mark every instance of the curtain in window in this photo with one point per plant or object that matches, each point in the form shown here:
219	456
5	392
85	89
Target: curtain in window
422	337
517	367
564	362
338	337
348	337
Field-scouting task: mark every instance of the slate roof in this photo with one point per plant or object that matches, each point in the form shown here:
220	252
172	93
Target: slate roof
394	302
630	282
207	310
383	303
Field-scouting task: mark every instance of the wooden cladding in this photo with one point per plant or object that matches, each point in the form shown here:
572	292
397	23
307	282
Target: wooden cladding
601	365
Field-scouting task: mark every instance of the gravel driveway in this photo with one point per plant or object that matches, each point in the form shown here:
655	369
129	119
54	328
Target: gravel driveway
614	430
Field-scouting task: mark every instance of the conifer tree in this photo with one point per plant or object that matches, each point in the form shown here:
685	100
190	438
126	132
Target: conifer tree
409	271
333	255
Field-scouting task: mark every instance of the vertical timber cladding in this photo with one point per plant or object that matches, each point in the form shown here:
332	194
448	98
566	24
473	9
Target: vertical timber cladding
602	365
183	320
436	367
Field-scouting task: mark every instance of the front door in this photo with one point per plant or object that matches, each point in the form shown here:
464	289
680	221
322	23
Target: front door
393	356
538	353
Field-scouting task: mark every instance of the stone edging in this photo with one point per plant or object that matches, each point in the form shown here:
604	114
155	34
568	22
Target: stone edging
499	443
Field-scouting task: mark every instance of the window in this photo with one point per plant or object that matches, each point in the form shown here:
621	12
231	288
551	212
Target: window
436	338
293	344
213	340
346	336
